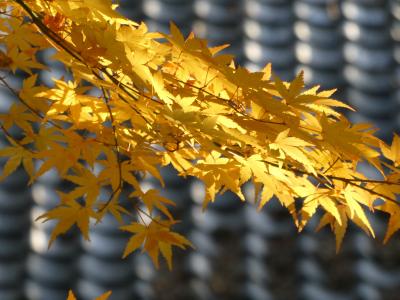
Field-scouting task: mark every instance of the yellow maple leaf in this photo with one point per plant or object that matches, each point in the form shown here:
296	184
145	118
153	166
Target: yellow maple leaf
152	199
65	95
322	198
88	185
294	148
353	199
392	153
19	115
160	89
290	92
394	221
23	36
339	228
217	173
62	158
68	213
24	61
17	155
29	91
155	238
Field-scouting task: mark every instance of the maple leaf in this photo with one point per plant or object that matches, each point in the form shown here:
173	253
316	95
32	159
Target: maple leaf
18	115
217	172
312	202
88	148
353	198
152	199
29	91
100	10
23	36
159	87
392	153
290	92
17	155
65	95
292	147
5	61
394	221
325	100
62	158
178	159
349	137
112	206
339	228
55	23
68	213
156	238
141	162
88	185
255	166
24	61
112	167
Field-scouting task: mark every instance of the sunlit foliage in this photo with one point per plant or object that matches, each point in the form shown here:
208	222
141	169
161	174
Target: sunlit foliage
139	100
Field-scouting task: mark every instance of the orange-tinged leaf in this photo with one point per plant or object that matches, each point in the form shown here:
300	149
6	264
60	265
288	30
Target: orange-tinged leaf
133	244
5	61
166	251
11	165
105	296
71	295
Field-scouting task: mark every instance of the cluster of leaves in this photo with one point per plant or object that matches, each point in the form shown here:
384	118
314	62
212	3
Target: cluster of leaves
139	100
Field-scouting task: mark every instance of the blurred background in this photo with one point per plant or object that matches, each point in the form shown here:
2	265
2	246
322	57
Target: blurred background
352	45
